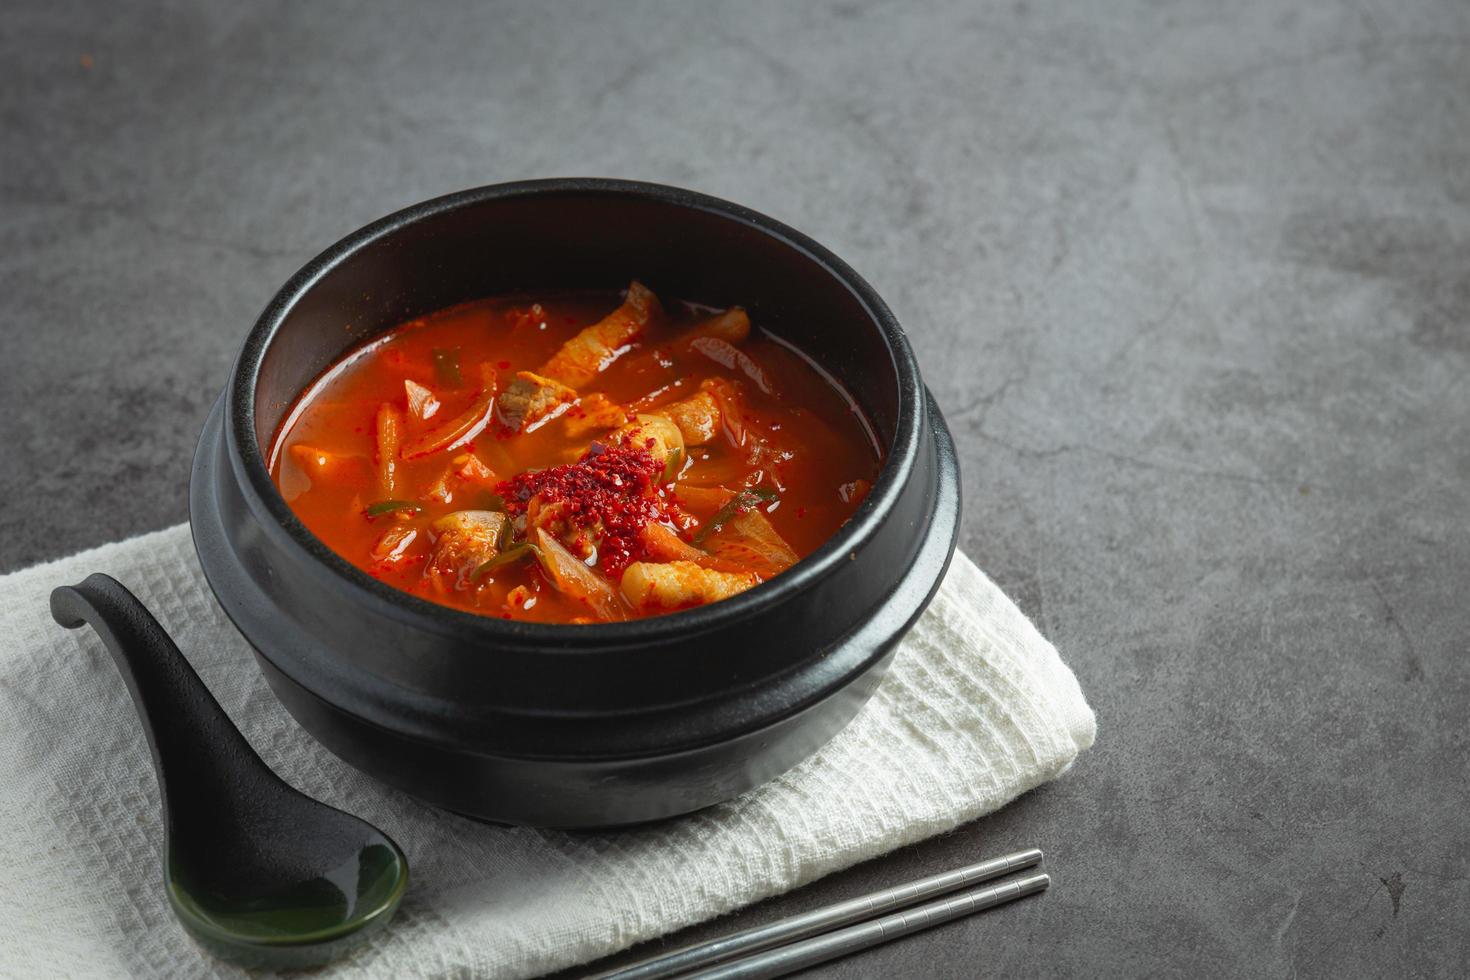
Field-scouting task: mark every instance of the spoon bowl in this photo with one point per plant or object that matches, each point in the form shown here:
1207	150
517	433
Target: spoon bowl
257	872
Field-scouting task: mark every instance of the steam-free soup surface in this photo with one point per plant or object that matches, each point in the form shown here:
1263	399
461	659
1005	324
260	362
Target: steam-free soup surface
574	457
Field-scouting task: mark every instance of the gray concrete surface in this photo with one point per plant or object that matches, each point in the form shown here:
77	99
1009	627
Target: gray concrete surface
1192	282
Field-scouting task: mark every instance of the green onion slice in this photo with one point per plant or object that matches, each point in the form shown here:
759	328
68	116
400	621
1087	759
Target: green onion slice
510	555
391	506
744	501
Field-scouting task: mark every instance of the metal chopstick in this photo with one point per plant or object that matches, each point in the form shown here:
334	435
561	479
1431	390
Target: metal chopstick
841	914
829	946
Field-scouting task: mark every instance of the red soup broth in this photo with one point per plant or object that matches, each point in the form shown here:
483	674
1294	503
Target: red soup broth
574	457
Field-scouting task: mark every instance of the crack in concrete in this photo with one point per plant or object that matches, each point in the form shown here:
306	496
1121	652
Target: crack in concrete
1375	45
1149	328
990	398
1394	885
1149	464
1286	924
1413	665
1436	874
157	227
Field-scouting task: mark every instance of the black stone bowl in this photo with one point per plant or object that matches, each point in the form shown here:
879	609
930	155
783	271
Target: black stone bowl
559	725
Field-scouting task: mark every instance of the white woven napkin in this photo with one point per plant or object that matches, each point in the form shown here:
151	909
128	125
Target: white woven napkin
977	709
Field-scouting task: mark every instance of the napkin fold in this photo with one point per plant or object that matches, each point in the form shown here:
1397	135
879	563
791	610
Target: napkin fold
976	709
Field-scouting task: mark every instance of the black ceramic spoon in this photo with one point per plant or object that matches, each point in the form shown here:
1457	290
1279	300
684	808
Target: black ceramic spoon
256	871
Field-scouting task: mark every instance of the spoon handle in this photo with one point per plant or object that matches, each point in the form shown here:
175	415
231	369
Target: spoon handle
196	748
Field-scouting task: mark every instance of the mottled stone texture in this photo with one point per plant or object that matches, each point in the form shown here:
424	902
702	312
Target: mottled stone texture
1192	282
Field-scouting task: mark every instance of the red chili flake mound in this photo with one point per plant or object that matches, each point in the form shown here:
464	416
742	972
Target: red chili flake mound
610	488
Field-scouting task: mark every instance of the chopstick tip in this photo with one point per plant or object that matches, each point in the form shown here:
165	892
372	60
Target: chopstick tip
1031	884
1028	858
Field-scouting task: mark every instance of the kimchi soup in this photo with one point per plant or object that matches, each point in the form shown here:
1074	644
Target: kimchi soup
574	457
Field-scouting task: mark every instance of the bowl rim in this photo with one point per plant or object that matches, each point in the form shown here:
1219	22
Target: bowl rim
287	530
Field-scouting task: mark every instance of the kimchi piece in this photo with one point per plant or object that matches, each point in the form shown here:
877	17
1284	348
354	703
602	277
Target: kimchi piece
575	457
